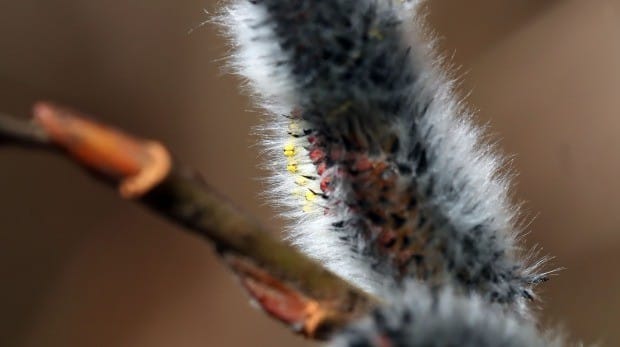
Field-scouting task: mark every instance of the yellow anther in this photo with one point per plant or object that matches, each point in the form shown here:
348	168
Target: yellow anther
302	181
294	128
308	208
289	150
292	167
310	196
297	192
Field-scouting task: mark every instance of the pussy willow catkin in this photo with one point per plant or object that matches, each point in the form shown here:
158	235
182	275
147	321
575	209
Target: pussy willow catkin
374	160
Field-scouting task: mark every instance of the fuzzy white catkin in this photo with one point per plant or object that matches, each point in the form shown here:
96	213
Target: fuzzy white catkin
442	318
374	160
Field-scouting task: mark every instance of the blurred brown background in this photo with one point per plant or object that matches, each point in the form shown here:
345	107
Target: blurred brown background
79	267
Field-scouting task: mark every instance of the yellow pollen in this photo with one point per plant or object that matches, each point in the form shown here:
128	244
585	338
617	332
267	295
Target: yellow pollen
302	181
292	167
310	196
289	150
294	127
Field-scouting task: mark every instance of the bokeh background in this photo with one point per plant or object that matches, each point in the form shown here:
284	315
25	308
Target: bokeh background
80	267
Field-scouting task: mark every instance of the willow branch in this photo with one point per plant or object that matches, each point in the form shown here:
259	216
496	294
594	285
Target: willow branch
286	284
19	132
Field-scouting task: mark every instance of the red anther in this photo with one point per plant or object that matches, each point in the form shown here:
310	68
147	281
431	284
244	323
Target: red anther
387	238
317	155
363	164
325	184
321	168
312	139
337	154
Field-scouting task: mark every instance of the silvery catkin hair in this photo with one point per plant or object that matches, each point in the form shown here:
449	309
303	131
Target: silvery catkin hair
374	159
441	318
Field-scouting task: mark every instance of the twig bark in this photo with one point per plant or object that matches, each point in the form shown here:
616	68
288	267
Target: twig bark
21	133
286	284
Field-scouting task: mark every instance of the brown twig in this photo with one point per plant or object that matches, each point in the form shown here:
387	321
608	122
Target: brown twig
286	284
21	133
